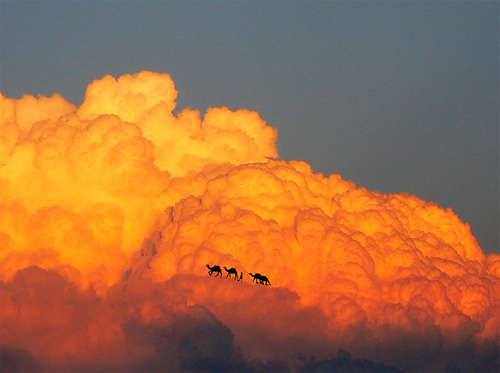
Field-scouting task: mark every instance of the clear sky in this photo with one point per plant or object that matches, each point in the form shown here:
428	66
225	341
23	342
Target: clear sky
396	96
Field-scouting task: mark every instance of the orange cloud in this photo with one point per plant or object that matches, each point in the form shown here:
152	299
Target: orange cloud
110	213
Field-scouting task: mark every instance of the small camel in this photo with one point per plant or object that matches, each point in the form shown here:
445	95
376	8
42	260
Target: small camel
231	271
260	279
214	269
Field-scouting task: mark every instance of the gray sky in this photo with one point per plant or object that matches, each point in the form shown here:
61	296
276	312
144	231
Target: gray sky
396	96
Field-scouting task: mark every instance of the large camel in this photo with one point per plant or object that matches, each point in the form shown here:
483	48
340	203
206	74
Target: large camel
214	269
260	279
231	271
264	280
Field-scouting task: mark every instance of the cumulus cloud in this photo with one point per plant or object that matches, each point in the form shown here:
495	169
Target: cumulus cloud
393	277
110	213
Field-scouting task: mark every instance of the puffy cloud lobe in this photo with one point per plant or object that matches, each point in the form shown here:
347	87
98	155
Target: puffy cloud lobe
184	143
111	211
129	96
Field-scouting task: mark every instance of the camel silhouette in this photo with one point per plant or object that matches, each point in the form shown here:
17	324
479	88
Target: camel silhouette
260	279
256	277
231	271
214	269
264	280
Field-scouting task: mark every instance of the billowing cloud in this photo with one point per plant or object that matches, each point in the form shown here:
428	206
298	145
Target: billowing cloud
110	213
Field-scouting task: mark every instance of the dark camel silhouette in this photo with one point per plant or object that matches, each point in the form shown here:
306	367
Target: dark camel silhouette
214	269
264	280
256	277
260	279
231	271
